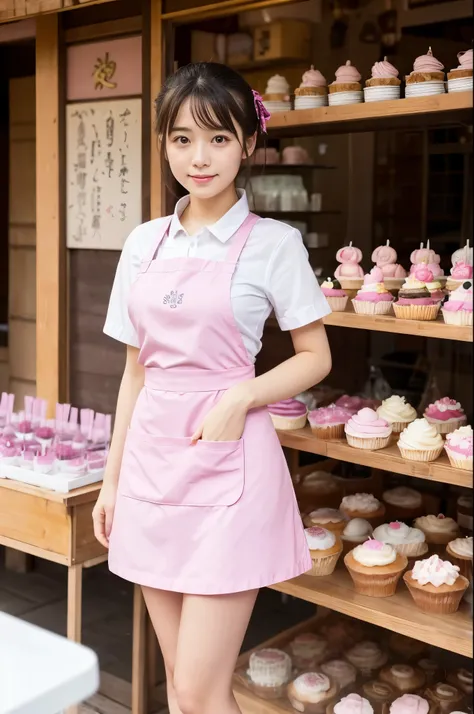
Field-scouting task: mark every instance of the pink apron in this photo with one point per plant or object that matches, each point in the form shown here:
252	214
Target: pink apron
217	517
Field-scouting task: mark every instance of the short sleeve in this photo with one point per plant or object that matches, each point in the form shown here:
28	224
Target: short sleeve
291	285
117	322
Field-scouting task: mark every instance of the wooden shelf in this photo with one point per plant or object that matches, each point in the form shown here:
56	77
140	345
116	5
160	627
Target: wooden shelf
375	116
268	169
390	323
387	459
302	214
397	613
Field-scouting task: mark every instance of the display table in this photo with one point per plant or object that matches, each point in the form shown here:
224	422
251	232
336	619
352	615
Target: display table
57	673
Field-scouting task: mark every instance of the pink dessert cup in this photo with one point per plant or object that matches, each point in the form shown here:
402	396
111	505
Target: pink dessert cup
288	415
328	423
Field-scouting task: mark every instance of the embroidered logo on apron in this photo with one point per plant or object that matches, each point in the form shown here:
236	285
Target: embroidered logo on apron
173	299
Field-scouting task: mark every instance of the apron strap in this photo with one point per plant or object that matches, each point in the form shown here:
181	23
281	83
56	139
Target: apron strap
239	238
162	234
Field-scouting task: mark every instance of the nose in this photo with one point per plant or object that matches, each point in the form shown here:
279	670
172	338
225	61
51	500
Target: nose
201	157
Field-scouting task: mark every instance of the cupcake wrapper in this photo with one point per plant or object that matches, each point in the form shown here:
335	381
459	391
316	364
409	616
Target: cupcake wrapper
411	550
436	603
375	585
414	455
402	513
288	423
416	312
371	444
337	304
335	431
459	462
399	426
325	565
441	539
446	427
464	564
364	307
462	318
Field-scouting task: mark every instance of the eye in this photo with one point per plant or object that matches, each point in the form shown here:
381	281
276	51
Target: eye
220	139
181	140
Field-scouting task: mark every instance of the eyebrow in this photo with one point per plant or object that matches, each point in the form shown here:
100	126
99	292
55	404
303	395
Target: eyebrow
180	128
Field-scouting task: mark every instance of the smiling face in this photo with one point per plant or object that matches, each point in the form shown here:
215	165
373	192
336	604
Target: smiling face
203	156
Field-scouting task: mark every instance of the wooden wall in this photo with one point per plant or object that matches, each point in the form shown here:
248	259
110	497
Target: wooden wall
22	238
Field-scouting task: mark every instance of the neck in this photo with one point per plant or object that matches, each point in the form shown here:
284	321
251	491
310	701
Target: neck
203	212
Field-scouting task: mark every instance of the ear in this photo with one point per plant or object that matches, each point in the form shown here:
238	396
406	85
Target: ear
250	144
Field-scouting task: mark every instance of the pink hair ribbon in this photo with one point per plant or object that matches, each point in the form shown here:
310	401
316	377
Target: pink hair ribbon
262	112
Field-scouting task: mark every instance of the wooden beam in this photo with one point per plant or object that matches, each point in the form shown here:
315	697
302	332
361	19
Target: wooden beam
102	30
157	201
221	9
50	251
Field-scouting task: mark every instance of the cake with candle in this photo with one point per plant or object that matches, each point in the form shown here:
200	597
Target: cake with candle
462	270
427	77
460	78
385	258
429	257
373	298
346	88
383	84
349	273
277	94
313	90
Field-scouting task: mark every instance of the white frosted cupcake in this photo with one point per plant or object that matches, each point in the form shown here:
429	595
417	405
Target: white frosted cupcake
420	441
459	552
375	568
325	548
277	94
329	518
403	503
357	531
311	692
458	446
308	649
351	704
367	657
397	412
407	541
269	671
363	505
436	585
341	672
438	530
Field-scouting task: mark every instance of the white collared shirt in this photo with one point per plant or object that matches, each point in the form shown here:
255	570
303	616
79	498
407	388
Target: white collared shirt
273	272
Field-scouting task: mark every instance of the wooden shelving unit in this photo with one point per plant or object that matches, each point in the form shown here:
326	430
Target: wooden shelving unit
387	459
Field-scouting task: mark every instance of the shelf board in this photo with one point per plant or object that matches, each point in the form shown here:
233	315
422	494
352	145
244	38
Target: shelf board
390	323
397	613
375	116
267	214
387	459
268	169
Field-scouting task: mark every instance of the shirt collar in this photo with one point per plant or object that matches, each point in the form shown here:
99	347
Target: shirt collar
224	228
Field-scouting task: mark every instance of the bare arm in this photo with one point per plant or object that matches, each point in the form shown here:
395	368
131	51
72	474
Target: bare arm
309	366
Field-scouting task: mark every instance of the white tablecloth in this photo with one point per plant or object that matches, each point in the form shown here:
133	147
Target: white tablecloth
40	672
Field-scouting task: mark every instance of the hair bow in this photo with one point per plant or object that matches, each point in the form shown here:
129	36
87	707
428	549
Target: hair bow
262	112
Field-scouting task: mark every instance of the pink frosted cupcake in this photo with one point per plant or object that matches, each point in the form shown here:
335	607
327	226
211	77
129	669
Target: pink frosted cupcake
415	301
411	704
457	310
288	414
353	404
328	422
424	275
334	294
445	414
460	78
313	90
311	692
383	84
427	77
365	430
458	446
351	704
373	298
346	88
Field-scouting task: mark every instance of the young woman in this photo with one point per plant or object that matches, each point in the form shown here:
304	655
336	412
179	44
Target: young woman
197	504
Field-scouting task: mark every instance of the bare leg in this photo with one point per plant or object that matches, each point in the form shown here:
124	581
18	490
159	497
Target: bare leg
165	613
210	637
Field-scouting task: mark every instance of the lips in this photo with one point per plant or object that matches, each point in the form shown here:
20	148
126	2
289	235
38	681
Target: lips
202	179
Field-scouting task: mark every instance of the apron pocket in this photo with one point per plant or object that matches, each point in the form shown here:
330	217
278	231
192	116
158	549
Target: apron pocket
171	471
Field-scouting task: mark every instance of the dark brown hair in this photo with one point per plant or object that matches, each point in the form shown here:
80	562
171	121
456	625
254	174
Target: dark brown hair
218	96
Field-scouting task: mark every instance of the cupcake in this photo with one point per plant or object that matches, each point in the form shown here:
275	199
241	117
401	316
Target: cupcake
351	704
277	95
459	552
461	679
329	518
269	672
457	310
432	671
460	78
403	503
367	657
375	568
411	704
307	650
319	487
341	632
404	647
357	531
403	677
428	258
363	505
427	77
445	698
312	92
436	585
445	414
325	548
438	530
405	540
346	88
458	446
329	422
288	414
461	270
349	273
9	455
311	693
464	509
383	84
415	301
342	673
379	694
365	430
334	294
420	441
397	412
352	404
373	298
422	273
